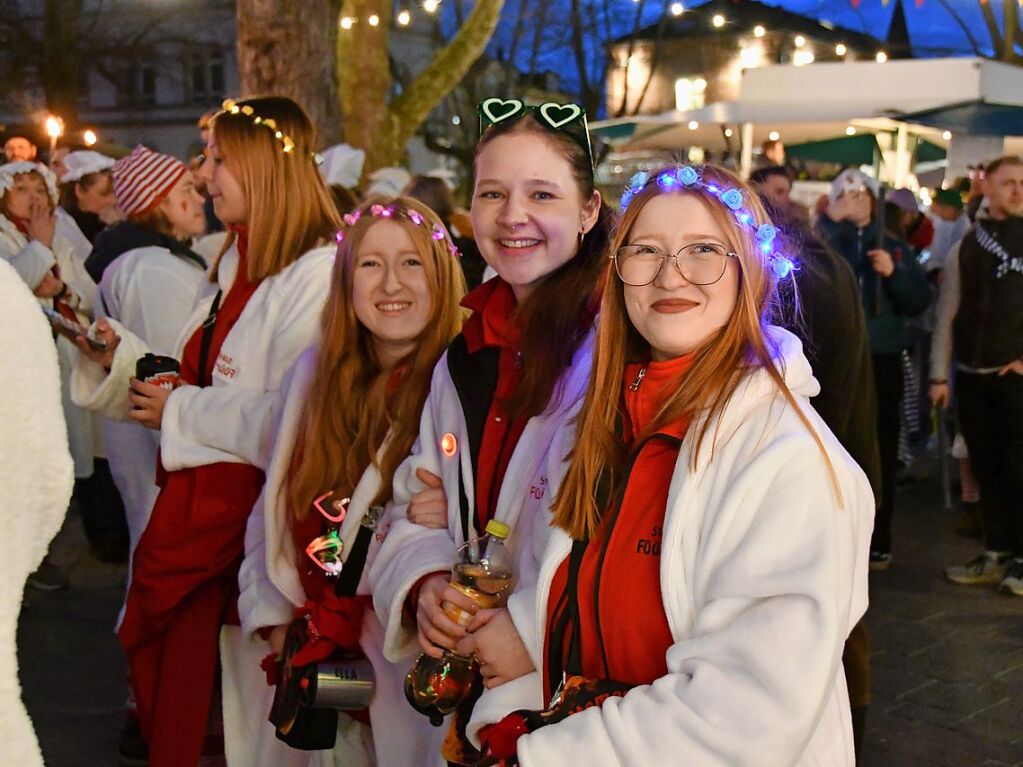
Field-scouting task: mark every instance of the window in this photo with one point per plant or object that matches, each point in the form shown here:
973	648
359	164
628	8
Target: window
138	87
690	93
207	78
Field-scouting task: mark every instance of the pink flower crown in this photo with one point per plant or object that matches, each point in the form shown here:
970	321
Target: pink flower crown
437	232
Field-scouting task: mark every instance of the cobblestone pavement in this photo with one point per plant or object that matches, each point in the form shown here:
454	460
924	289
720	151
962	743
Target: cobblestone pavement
947	660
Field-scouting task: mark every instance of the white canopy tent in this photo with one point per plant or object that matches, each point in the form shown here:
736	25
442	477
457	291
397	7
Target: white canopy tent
821	101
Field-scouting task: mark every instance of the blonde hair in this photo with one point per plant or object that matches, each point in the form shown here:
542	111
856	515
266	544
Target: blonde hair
339	438
290	208
598	462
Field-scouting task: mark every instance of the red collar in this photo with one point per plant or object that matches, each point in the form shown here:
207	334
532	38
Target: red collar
643	401
241	239
491	324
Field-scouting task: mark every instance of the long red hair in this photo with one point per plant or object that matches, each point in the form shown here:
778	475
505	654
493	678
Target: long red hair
350	409
599	458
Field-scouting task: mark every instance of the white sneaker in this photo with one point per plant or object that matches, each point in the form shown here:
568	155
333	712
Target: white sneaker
988	568
1013	579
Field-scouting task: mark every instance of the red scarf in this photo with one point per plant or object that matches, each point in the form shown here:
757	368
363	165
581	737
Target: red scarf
185	573
491	324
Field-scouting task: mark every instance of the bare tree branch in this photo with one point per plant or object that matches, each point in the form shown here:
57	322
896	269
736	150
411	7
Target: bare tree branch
416	102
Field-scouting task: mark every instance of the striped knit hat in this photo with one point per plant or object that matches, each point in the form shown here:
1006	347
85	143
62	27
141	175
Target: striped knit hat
143	179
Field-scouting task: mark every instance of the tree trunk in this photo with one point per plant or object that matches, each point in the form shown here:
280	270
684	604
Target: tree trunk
376	123
288	48
364	79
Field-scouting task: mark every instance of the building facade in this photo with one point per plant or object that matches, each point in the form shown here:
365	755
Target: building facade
695	57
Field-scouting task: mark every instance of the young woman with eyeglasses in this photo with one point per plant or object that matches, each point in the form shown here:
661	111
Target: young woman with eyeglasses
349	414
711	535
495	427
259	311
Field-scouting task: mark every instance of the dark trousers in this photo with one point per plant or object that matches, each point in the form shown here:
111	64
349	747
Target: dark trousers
991	419
888	384
103	515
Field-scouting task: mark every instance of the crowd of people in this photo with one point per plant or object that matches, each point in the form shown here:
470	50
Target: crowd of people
682	412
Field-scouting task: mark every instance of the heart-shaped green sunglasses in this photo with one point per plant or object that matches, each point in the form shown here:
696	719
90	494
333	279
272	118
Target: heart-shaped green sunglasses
563	118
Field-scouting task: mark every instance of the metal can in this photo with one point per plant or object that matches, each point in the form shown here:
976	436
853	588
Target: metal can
346	684
162	371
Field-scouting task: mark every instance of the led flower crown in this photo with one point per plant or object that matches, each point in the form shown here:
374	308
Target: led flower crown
231	107
437	232
686	176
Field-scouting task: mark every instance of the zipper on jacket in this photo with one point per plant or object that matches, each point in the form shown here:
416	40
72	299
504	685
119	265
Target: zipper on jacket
634	386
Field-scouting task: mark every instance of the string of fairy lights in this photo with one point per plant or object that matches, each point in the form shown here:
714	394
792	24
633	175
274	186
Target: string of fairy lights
402	18
801	56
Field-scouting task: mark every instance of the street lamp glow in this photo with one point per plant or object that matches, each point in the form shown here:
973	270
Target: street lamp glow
759	31
693	125
374	20
718	20
54	127
346	22
404	18
841	50
774	135
850	131
947	135
430	6
90	138
677	9
881	57
800	41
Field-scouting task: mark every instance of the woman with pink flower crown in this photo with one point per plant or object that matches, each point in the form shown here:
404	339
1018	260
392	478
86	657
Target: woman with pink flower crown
710	542
348	415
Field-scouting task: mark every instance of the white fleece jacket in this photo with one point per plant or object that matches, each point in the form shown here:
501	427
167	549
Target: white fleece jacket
271	590
33	261
225	422
36	477
150	292
763	575
537	465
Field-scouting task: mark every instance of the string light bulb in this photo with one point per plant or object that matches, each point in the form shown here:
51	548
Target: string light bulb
774	135
430	6
841	50
718	21
729	132
404	18
374	20
759	31
693	125
850	131
90	138
881	57
947	135
800	41
677	9
346	22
